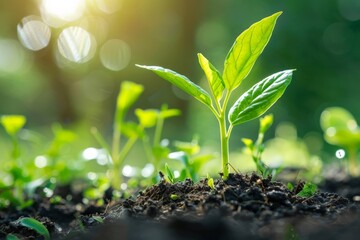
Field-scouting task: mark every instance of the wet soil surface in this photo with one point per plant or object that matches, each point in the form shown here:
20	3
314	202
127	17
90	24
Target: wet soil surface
244	206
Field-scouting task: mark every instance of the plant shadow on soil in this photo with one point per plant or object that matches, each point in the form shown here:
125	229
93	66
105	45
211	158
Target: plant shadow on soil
243	206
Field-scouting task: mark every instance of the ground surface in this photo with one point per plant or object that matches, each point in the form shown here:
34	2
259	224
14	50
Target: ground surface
243	205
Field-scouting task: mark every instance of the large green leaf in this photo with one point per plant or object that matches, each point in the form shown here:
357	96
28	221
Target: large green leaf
213	76
36	226
340	127
246	49
181	82
259	98
129	93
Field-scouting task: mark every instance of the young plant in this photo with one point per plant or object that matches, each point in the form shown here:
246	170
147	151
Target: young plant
239	61
256	149
188	154
341	129
12	125
148	118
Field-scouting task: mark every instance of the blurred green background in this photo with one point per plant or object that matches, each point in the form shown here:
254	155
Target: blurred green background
75	82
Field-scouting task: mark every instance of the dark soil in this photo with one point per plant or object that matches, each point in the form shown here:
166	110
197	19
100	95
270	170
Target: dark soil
243	206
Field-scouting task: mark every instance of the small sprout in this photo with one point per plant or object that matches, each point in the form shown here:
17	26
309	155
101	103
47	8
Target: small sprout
174	197
36	226
210	182
290	186
238	64
170	175
13	123
308	190
98	219
256	149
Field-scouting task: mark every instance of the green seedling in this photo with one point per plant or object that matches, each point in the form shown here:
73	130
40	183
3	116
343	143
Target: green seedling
308	190
174	197
35	225
128	94
12	125
210	182
148	118
170	174
239	61
256	149
341	129
188	154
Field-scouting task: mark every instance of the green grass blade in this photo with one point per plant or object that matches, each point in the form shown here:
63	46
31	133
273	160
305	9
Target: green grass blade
213	76
259	98
246	49
36	226
181	82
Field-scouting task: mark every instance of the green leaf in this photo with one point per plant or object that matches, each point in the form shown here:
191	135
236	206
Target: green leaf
168	113
36	226
129	93
246	49
340	127
169	174
148	117
265	123
337	117
181	82
13	123
132	130
290	186
308	190
213	76
259	98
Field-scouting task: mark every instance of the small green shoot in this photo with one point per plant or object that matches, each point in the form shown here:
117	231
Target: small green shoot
98	219
174	197
36	226
210	182
169	173
256	149
12	125
290	186
238	64
308	190
341	129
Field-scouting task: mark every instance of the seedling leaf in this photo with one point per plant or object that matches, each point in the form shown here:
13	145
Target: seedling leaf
169	174
213	76
246	49
181	82
308	190
36	226
128	94
13	123
259	98
147	118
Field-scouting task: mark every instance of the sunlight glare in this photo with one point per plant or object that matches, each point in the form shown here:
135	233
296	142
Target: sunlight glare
57	13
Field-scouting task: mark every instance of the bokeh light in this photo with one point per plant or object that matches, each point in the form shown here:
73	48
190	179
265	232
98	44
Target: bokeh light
33	33
108	6
76	44
12	56
115	54
56	13
350	9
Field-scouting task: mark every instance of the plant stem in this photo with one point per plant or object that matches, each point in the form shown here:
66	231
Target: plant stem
224	136
158	130
224	147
